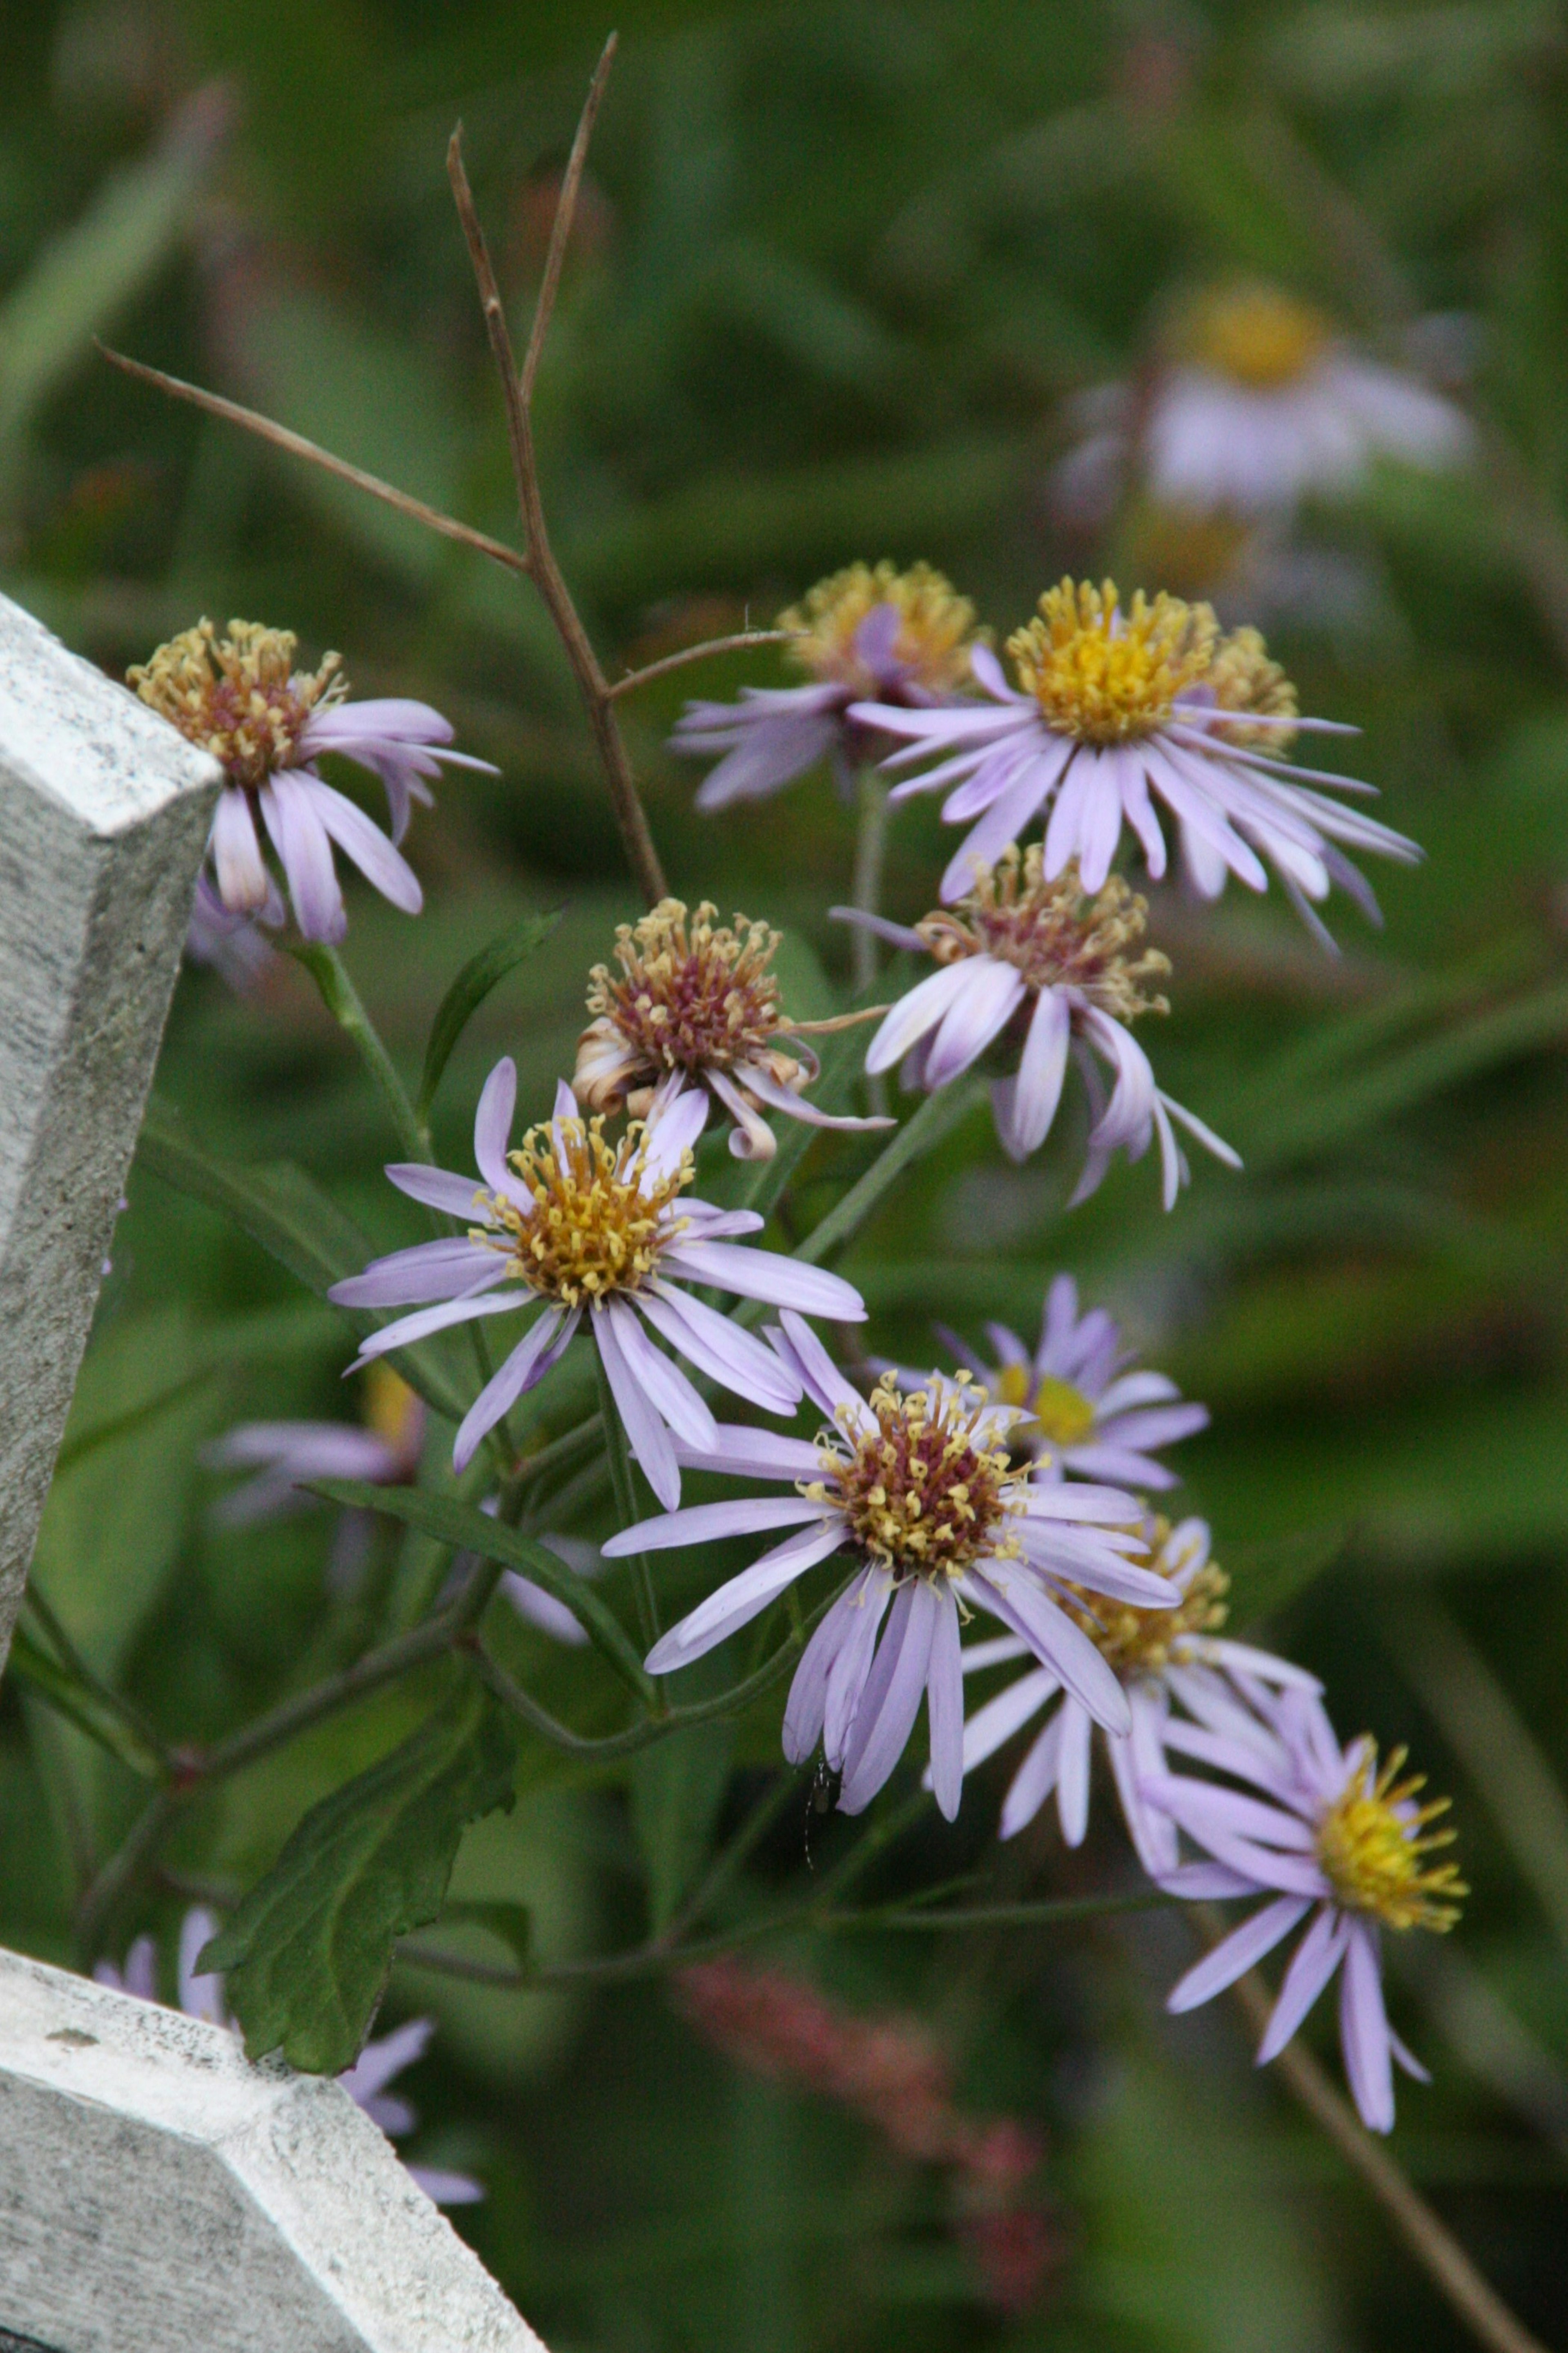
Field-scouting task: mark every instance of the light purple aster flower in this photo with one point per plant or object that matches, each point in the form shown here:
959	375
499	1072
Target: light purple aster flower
202	1995
1117	706
903	637
917	1487
1159	1656
1034	969
1089	1415
582	1226
1318	1830
240	698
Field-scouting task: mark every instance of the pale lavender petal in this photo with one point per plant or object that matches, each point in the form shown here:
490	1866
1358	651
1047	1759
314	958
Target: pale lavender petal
668	1391
914	1015
444	2189
744	1597
944	1707
380	2060
768	1089
754	1454
647	1433
981	1009
1057	1642
1003	822
1153	1834
458	1196
201	1992
1000	1718
1035	1779
1204	1810
541	1346
719	1349
806	1705
1240	1950
1026	1104
492	1132
419	1326
890	1702
770	1276
1207	1883
1364	2031
385	868
897	935
851	1670
1403	2057
453	1268
1072	1772
242	878
676	1119
300	840
541	1609
1312	1964
802	1352
707	1523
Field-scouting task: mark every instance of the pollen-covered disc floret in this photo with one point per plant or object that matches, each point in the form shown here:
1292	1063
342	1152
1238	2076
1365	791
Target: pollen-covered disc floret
921	1494
597	1218
1053	933
930	642
1139	1642
239	696
1373	1842
1104	676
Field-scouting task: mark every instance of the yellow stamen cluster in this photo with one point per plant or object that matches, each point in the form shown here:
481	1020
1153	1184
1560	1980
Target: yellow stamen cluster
239	697
1371	1843
919	1496
936	627
1256	335
1138	1643
1103	675
691	994
1056	936
1058	1413
595	1223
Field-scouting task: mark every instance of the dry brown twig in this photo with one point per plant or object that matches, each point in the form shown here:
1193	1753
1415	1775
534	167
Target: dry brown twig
1428	2238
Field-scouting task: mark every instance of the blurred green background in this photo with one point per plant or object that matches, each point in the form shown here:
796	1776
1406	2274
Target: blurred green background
840	271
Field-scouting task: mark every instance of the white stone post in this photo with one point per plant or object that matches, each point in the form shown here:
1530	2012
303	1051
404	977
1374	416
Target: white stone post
104	811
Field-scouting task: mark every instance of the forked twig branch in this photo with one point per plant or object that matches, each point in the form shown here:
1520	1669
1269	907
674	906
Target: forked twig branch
598	696
635	679
281	438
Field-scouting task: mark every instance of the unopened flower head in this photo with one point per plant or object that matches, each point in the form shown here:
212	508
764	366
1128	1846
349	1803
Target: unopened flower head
240	698
1089	1413
905	638
928	1491
917	1487
1038	970
695	999
1315	1828
928	647
581	1226
1116	703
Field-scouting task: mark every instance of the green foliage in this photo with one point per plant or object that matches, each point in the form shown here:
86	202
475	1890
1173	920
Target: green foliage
468	991
307	1952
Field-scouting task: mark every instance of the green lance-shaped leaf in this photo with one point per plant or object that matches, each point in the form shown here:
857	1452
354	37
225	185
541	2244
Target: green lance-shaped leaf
459	1524
470	990
308	1953
295	1222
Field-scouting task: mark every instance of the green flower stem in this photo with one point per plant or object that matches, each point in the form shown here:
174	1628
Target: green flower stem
936	1117
342	1001
627	1510
870	862
730	1858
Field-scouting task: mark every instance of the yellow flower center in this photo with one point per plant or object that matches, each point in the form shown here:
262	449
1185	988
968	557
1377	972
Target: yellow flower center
920	1498
1063	1413
1104	676
691	994
1055	938
594	1228
239	697
1257	336
1138	1643
1372	1842
936	627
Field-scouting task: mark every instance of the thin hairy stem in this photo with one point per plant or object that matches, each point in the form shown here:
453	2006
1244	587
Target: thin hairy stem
635	679
343	1002
731	1857
870	862
143	1735
539	560
298	446
936	1117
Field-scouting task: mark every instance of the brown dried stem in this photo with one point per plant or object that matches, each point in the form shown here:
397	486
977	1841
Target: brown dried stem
1431	2243
598	695
635	679
298	446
